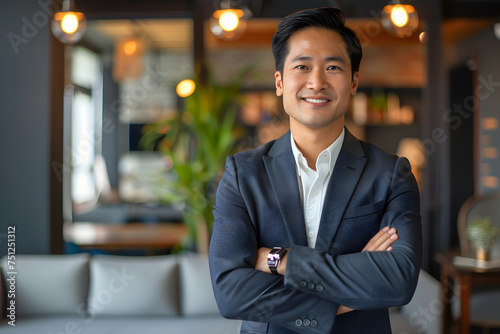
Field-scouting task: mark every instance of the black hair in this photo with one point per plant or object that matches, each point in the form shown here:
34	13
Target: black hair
329	18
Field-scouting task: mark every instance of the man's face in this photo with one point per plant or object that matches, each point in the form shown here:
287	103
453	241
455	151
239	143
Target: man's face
317	82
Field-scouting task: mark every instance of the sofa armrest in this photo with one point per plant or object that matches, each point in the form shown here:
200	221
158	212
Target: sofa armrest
424	310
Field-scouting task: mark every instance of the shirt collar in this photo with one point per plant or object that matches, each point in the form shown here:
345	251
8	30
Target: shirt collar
333	151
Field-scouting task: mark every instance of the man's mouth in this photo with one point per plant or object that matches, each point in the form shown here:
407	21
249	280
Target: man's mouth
316	100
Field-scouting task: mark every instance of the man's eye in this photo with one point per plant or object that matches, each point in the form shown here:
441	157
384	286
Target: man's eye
301	67
333	67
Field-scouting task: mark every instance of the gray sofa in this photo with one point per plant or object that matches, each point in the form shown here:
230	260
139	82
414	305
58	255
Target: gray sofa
106	294
422	315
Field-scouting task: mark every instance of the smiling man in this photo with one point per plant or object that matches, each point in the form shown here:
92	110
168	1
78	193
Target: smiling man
317	231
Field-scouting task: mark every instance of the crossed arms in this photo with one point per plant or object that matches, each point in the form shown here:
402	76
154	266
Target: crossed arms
382	241
369	279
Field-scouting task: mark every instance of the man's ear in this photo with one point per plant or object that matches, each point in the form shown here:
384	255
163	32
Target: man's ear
355	83
278	83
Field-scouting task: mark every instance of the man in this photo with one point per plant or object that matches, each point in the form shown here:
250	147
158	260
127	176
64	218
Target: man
316	232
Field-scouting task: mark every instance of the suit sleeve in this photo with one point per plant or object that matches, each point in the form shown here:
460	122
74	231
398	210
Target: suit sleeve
368	280
243	292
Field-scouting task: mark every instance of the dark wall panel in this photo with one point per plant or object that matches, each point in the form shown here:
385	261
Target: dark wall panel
25	125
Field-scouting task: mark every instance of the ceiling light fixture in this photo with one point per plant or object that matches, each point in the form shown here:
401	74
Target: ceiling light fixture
68	26
400	18
229	22
128	59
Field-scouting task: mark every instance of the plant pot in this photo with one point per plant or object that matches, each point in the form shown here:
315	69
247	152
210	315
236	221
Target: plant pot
482	253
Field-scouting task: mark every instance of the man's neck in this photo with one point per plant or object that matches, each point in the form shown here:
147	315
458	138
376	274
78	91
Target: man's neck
311	142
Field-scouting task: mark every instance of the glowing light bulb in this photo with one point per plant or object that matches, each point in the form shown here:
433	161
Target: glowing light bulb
69	23
399	16
229	20
185	88
130	47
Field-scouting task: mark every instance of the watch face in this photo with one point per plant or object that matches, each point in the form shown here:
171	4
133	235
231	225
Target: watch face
273	257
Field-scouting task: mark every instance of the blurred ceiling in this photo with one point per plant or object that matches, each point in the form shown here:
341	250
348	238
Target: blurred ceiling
169	23
157	33
178	33
277	8
175	25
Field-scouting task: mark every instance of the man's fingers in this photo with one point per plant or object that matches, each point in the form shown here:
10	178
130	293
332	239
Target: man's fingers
388	242
382	240
376	240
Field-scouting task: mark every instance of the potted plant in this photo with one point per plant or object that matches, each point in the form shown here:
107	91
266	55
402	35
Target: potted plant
197	141
482	234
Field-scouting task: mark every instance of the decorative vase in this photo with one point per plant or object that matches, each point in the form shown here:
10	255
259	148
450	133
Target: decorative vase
483	253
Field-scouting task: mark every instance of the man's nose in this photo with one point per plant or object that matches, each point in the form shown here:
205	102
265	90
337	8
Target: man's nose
317	80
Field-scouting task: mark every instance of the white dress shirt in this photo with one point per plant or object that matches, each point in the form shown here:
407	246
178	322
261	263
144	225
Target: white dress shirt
313	184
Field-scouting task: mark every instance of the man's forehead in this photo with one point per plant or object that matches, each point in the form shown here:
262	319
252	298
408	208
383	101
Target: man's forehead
305	44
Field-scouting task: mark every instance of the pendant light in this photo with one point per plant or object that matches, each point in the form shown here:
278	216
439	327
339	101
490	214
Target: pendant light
68	26
229	22
400	18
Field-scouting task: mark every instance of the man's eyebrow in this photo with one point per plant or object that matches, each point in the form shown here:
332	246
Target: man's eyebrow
302	58
309	58
336	58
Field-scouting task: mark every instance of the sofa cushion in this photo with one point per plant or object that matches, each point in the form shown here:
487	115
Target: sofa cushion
197	297
123	325
49	284
127	285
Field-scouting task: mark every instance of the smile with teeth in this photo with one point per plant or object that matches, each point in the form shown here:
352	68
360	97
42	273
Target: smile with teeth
316	100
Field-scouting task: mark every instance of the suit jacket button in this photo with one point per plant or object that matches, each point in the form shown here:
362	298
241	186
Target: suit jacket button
314	323
298	322
303	284
311	286
306	322
319	287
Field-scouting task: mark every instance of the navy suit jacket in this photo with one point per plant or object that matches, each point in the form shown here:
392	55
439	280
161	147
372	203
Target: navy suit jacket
258	204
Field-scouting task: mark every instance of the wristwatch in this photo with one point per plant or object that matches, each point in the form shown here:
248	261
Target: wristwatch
274	258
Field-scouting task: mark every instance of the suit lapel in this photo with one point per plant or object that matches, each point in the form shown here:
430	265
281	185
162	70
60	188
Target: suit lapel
348	168
281	169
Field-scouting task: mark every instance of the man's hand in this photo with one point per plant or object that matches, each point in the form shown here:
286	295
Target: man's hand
382	241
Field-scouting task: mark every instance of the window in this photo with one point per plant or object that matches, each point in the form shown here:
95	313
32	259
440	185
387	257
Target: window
85	117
